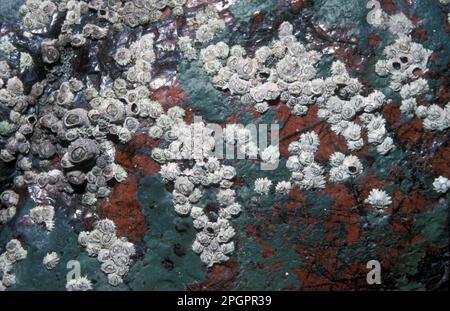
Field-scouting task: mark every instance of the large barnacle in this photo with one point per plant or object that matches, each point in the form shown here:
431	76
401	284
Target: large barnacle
75	118
82	150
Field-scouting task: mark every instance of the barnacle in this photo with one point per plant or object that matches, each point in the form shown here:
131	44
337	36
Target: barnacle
79	284
14	252
43	214
441	184
378	199
263	185
113	253
50	260
122	56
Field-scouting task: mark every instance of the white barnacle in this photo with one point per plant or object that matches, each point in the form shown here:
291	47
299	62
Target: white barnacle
336	159
283	187
386	146
309	141
262	185
408	107
378	199
43	214
270	154
169	171
50	260
353	165
339	174
226	196
441	184
79	284
122	56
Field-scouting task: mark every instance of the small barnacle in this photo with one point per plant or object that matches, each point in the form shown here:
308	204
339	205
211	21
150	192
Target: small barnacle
262	107
76	177
50	260
183	185
9	198
155	132
131	124
75	118
441	184
386	146
270	155
262	185
14	86
5	70
283	187
338	174
78	40
122	56
50	53
299	110
378	199
399	24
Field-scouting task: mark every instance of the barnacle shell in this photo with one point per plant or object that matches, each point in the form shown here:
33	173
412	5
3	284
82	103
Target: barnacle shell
82	150
50	53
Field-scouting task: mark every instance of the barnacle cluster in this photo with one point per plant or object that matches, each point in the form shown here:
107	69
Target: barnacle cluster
43	214
397	24
306	173
284	70
340	103
344	167
114	253
37	14
141	56
77	136
134	12
404	61
81	284
14	252
195	142
8	200
206	24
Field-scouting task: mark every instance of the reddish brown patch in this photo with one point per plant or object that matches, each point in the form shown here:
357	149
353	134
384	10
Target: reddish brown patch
388	6
410	133
444	91
330	142
374	40
420	34
134	160
219	277
169	96
294	125
392	114
342	200
268	251
440	162
297	5
310	281
353	234
123	208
